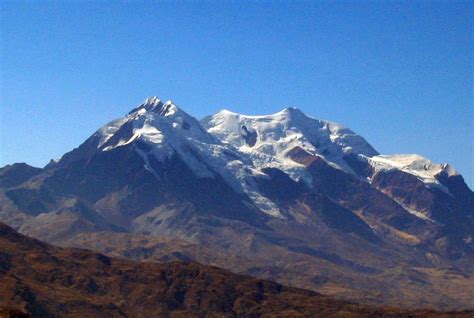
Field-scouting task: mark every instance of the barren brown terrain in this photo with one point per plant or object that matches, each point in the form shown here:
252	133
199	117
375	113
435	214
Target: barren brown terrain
39	280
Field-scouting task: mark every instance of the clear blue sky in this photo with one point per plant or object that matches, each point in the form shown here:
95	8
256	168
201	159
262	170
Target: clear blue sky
400	73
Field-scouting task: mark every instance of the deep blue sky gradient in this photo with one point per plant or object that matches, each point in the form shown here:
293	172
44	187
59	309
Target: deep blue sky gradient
400	73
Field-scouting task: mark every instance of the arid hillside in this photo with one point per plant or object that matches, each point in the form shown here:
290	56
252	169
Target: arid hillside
39	280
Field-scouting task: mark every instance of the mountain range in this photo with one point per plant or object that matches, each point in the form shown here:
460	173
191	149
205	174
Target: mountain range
285	197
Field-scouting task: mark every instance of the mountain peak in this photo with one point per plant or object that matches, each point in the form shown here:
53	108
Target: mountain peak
292	110
285	112
154	104
152	101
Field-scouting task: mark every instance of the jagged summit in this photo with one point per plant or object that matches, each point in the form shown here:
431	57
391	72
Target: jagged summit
155	105
149	104
152	101
164	127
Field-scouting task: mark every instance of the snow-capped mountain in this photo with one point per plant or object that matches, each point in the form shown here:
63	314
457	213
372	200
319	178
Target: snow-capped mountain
166	130
268	140
285	196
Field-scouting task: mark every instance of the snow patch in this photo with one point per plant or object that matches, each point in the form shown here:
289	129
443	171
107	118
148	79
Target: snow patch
418	214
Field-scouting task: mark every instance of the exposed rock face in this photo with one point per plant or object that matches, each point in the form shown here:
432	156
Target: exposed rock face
289	198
